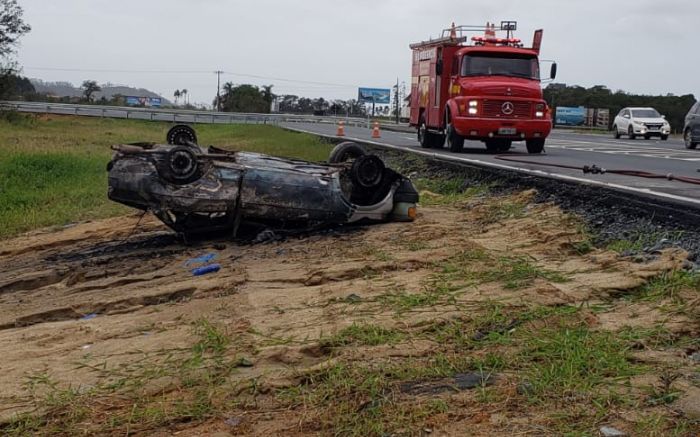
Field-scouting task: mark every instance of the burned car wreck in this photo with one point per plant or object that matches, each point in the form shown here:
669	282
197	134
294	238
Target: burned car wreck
196	190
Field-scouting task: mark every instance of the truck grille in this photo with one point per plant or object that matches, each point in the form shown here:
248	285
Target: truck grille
495	109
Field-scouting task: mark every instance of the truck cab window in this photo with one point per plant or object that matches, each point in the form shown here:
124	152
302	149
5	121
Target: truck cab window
501	64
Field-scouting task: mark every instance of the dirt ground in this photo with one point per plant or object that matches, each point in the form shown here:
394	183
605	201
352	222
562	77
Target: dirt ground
84	306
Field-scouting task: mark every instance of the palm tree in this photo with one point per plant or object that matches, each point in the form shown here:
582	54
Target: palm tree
184	94
177	95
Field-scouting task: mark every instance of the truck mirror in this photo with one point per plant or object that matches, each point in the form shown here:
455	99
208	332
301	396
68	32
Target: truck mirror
438	67
553	71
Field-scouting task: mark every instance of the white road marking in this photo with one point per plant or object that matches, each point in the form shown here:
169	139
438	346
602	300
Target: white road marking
624	148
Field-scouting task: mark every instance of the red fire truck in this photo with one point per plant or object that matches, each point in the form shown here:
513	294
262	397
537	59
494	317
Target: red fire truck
486	89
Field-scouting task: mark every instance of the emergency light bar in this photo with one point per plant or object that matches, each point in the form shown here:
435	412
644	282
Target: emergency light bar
480	40
509	25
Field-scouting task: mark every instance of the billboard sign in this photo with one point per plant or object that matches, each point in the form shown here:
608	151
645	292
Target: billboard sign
379	96
143	101
566	116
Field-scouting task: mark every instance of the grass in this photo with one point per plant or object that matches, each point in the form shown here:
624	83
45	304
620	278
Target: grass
195	390
669	285
568	367
449	191
363	335
640	241
468	268
53	169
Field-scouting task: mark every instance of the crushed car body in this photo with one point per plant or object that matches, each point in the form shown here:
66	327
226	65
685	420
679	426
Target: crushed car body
195	190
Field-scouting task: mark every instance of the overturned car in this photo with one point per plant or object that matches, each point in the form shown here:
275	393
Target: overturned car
195	190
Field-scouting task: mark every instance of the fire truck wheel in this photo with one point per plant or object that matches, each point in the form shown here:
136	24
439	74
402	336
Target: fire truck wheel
534	146
454	140
424	137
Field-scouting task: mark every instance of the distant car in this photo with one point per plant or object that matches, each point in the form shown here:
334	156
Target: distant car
195	190
691	130
643	122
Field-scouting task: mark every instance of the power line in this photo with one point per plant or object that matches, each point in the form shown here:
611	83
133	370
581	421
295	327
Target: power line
229	73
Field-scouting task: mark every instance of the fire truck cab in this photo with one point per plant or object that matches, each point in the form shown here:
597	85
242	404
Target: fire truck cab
486	89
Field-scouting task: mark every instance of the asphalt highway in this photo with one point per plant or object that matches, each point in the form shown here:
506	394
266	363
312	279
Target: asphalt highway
566	148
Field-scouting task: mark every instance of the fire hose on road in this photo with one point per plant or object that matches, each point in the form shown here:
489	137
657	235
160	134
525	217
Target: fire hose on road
594	169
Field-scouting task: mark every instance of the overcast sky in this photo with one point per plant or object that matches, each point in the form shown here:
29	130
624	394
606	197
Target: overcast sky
327	48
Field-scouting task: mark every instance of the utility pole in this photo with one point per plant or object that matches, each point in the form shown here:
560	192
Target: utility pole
218	89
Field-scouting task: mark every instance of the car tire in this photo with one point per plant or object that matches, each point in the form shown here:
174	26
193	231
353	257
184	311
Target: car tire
616	132
181	135
367	172
688	140
346	151
630	133
180	166
455	141
664	137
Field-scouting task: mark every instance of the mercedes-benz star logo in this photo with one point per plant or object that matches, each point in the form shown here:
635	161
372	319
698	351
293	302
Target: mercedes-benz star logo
507	108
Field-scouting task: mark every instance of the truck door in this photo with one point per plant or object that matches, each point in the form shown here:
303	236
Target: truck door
434	113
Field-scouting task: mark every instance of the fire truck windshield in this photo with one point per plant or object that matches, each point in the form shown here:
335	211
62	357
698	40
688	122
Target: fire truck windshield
501	64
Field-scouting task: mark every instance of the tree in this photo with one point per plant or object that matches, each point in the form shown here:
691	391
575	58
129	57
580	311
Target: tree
12	26
599	96
243	98
267	95
184	93
177	95
13	86
89	87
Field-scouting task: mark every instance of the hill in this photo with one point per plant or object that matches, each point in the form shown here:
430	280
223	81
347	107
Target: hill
67	89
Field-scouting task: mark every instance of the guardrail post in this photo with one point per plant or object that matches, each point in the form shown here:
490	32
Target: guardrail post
103	112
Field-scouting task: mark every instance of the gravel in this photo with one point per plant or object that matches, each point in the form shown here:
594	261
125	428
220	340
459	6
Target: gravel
650	225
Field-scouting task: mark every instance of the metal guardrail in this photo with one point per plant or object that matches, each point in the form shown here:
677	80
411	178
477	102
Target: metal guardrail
175	115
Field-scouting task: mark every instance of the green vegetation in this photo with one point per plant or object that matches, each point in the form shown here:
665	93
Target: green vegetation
449	191
563	362
199	378
53	169
468	268
363	335
669	285
641	240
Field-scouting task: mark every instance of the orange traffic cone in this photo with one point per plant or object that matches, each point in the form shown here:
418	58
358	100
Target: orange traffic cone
341	129
453	31
375	131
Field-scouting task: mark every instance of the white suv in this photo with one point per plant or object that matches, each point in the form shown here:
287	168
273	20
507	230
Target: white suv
646	122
